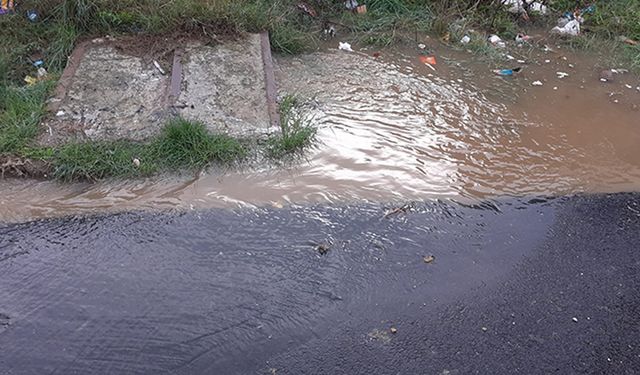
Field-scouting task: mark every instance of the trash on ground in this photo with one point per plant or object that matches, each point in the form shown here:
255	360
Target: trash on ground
30	80
520	61
465	39
393	330
628	86
507	72
562	75
523	7
41	73
422	46
136	162
575	320
351	4
496	41
157	65
509	57
345	46
606	75
6	6
32	15
430	60
628	41
361	9
330	31
536	83
60	113
522	38
572	28
376	54
308	9
429	259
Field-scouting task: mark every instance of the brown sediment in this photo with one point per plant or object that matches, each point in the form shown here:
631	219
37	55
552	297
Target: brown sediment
14	166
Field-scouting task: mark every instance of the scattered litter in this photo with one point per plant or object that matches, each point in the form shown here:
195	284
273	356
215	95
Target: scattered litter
429	259
522	38
422	46
308	9
562	75
509	57
548	49
522	7
484	329
547	61
376	54
361	9
6	7
465	39
628	86
345	46
575	319
32	15
496	41
42	73
507	72
60	113
571	28
536	83
330	31
555	87
520	61
157	65
619	71
430	60
136	162
351	4
393	330
606	75
30	80
628	41
571	66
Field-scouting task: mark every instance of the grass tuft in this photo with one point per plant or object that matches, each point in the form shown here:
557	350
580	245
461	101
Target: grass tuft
188	144
22	108
297	132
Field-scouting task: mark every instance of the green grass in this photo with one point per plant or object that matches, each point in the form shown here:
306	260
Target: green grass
22	109
296	130
182	145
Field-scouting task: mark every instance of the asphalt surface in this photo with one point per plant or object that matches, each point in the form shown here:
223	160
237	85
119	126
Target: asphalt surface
515	286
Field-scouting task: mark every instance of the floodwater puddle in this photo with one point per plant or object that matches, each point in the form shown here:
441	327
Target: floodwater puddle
391	129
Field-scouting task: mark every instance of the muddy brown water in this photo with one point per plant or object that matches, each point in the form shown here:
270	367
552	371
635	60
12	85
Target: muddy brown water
391	129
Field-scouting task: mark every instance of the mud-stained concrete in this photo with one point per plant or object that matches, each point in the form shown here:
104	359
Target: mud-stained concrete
111	92
111	96
223	86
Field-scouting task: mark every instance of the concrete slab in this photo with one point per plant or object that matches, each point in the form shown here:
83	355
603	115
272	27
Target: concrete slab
224	87
110	96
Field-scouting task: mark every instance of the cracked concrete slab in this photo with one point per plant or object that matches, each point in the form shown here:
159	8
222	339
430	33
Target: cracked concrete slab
107	94
224	87
110	96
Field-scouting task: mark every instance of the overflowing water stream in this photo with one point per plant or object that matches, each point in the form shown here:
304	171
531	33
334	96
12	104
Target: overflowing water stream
391	129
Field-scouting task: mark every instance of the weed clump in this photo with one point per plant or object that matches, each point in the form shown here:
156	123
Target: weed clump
296	129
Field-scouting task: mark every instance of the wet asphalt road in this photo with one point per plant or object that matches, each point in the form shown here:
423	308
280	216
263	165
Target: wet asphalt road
517	286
